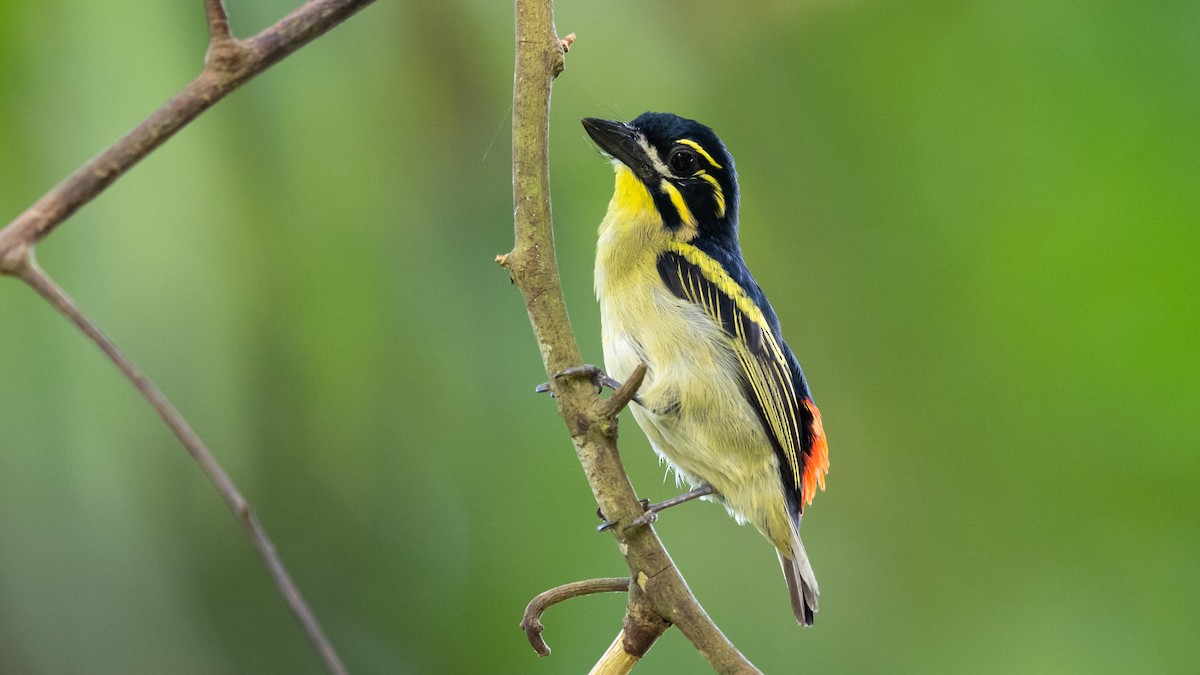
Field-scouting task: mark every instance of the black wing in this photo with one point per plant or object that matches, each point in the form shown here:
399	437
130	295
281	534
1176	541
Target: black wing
773	382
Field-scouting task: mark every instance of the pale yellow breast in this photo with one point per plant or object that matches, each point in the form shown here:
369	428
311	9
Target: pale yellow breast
695	412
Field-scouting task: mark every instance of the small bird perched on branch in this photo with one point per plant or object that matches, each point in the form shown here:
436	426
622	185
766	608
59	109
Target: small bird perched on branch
724	401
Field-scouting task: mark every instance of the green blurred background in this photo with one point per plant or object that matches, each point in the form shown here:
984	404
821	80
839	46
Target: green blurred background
977	220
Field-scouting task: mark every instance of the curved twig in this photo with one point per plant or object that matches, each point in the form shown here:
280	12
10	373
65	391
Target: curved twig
531	623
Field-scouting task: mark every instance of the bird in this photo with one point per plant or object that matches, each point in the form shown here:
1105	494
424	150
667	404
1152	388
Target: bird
723	401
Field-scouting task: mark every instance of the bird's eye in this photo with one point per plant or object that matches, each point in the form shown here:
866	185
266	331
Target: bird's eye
683	161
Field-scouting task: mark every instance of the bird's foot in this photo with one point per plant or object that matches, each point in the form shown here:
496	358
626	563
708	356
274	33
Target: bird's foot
651	511
593	373
609	524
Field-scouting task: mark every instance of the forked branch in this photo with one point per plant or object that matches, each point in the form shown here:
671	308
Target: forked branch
219	78
228	64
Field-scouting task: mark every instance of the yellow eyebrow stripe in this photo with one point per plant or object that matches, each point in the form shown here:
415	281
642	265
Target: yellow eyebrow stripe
696	146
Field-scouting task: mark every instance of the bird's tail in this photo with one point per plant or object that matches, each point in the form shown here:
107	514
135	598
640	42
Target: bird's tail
801	581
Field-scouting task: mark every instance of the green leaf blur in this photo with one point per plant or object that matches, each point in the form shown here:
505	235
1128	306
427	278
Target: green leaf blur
978	222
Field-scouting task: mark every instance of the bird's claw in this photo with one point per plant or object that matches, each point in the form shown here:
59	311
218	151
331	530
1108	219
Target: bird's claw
652	510
598	378
648	516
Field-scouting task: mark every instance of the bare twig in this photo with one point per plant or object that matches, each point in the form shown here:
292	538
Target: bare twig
218	21
229	63
41	282
659	597
626	392
220	77
224	52
531	623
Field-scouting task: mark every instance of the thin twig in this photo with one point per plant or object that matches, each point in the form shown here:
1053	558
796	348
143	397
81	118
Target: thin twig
218	21
531	623
626	392
220	77
229	63
41	282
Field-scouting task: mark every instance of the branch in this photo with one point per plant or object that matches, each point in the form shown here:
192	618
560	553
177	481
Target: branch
660	597
228	64
225	70
531	623
41	282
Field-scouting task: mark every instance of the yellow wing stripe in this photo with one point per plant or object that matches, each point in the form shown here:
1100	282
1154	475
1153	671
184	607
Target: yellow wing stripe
768	374
712	270
775	408
784	397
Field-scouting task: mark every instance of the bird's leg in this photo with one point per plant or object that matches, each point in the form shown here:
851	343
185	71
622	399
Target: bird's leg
598	378
652	510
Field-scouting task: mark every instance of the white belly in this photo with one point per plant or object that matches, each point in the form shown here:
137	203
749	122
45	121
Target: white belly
695	414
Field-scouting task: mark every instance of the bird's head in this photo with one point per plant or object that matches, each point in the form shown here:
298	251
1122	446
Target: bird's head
672	172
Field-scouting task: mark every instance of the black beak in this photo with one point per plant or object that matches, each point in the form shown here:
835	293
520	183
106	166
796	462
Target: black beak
619	140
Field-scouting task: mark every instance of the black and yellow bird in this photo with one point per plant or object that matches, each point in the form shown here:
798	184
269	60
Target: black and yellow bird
724	401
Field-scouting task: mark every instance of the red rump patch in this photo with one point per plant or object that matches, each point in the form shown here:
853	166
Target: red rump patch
816	465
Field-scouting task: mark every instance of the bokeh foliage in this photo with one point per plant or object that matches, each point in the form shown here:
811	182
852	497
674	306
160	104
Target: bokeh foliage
977	220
